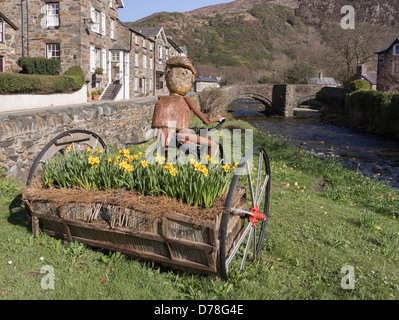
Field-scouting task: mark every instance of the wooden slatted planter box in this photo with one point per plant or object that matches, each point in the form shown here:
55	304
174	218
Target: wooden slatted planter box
189	243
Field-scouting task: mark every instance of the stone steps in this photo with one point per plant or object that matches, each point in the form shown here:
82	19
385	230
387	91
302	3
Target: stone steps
111	92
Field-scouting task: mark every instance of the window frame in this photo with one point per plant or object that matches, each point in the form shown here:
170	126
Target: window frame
59	51
112	29
57	15
96	17
2	30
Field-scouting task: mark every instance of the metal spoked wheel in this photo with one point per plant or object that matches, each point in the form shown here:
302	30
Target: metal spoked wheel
76	139
254	172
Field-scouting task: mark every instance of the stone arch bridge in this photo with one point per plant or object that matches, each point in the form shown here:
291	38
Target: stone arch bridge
281	100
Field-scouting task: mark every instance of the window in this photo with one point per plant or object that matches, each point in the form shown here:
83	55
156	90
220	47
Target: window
150	46
53	14
1	64
144	62
110	3
112	28
96	17
144	43
1	31
136	39
396	50
103	24
150	85
53	50
136	84
136	59
395	68
95	58
115	56
160	54
151	63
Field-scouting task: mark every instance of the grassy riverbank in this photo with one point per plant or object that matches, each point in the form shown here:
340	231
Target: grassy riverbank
322	218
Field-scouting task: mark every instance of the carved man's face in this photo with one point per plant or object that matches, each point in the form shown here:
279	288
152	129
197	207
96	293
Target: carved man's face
179	80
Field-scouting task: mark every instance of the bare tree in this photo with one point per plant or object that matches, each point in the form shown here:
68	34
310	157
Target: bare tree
353	47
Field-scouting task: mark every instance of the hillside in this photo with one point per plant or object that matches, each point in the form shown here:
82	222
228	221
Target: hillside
245	40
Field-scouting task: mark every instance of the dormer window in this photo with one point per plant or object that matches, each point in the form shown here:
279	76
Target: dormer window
396	50
53	15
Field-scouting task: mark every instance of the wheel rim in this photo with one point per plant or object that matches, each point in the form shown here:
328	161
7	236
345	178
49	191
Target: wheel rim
249	243
76	139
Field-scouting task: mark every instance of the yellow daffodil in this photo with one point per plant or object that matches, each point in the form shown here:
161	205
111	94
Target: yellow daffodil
93	160
192	161
88	149
197	166
205	171
168	166
109	160
173	172
144	163
226	168
235	165
69	148
159	159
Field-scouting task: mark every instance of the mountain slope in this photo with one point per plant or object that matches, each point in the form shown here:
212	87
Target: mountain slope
245	40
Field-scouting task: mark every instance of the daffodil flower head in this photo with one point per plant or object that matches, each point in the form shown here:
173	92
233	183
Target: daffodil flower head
144	163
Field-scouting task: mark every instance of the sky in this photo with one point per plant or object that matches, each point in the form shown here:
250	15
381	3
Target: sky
137	9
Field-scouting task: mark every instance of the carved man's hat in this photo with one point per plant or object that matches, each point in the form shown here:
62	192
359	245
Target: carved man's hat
182	62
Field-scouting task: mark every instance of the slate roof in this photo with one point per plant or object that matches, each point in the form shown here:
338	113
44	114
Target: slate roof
323	81
205	79
149	31
370	77
388	45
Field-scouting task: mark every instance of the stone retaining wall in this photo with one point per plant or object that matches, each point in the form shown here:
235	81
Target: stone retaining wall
24	134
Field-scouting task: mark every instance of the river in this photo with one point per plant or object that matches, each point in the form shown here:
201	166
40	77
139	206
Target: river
371	155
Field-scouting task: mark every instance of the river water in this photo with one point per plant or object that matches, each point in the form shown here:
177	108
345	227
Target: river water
371	155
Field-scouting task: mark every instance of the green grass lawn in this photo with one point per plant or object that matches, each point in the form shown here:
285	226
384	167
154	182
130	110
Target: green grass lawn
322	218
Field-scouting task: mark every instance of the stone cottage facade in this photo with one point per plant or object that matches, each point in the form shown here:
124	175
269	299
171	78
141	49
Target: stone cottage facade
88	33
388	66
162	52
8	50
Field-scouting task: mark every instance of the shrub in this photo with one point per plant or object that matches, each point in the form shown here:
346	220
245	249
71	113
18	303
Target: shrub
379	110
40	66
38	84
78	76
213	102
360	85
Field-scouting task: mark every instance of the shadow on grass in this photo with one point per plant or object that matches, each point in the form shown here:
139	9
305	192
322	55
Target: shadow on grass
19	214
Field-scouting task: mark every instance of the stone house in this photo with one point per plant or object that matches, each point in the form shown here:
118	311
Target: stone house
8	54
202	83
122	61
162	52
388	66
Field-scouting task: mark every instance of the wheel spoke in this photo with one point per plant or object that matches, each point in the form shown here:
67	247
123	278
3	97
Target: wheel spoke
244	258
250	184
263	190
259	178
235	249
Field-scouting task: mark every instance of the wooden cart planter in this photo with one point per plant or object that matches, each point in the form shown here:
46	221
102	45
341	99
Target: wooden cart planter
174	239
207	242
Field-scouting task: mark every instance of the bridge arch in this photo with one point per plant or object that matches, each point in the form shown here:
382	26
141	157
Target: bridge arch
301	100
267	103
